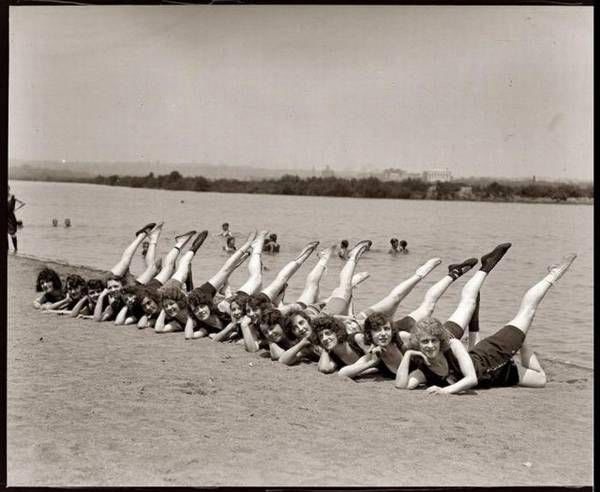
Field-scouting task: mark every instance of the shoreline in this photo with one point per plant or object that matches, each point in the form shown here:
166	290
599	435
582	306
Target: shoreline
515	199
95	404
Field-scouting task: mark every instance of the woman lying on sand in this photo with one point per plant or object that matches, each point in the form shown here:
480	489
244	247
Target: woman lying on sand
269	296
73	300
173	299
442	363
204	317
388	340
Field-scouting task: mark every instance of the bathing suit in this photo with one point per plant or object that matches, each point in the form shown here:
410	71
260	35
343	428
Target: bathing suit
404	324
311	310
492	359
53	296
154	284
11	221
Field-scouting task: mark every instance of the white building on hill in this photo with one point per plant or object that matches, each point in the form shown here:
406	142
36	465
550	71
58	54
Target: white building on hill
433	175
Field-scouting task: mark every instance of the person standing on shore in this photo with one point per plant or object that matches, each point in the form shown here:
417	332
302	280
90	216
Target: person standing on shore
11	222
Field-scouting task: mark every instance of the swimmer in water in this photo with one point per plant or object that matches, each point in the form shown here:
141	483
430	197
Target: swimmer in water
395	247
343	251
229	245
403	247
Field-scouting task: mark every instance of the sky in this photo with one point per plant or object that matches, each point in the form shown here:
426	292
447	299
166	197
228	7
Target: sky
483	91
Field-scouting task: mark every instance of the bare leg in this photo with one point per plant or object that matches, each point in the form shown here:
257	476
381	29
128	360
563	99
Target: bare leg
122	266
288	270
310	294
150	272
168	266
344	289
468	296
535	294
150	257
183	269
254	281
531	373
234	261
389	304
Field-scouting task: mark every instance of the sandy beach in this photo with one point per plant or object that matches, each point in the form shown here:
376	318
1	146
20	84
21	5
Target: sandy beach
96	404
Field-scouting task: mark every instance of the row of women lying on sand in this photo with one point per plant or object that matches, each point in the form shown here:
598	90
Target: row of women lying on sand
416	351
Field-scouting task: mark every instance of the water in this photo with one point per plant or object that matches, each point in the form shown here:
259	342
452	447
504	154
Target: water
104	220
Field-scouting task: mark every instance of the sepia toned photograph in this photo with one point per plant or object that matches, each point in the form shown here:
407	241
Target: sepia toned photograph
269	245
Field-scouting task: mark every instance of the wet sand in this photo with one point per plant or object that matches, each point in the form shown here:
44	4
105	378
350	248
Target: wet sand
96	404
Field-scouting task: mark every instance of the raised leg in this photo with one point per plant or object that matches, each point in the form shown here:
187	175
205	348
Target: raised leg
234	261
122	265
535	294
531	373
254	281
310	294
168	265
150	257
389	304
288	270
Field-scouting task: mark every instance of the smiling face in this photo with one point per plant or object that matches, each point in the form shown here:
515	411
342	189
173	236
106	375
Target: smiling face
236	310
201	311
76	292
429	345
273	333
171	307
300	326
382	335
113	287
150	307
253	313
93	295
328	339
47	286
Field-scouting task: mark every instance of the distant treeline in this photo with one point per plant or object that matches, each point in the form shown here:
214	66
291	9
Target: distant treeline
358	188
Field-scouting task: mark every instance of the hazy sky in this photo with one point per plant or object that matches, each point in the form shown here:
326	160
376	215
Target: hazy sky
483	91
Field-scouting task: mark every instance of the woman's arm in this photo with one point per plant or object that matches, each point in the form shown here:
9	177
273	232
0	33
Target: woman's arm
361	365
466	366
326	364
291	355
250	335
107	314
99	304
80	307
160	321
130	320
121	316
143	322
225	332
56	305
275	351
20	202
404	380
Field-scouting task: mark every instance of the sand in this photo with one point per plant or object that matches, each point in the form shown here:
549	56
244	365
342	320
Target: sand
95	404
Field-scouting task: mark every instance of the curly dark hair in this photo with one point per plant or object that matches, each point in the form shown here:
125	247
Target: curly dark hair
257	301
428	326
288	323
136	290
150	294
173	293
48	275
96	284
73	281
199	297
327	322
375	321
270	317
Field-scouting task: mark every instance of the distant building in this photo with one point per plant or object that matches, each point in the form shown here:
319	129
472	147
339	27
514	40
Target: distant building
393	175
327	172
433	175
